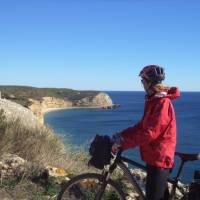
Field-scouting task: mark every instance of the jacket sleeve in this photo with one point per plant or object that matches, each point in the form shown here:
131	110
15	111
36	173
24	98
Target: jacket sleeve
150	127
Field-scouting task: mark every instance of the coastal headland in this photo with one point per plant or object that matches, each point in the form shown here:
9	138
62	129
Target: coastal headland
42	100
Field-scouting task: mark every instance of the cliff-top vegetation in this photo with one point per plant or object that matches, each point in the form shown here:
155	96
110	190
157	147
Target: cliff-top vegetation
22	94
40	148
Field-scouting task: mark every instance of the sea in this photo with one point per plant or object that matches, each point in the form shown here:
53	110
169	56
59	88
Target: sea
79	126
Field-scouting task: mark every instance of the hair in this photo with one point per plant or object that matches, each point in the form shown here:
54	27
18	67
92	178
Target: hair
159	87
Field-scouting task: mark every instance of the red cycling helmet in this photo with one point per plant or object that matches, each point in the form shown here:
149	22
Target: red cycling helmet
153	73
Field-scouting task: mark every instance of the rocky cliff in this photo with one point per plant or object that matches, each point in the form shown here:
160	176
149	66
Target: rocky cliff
40	100
39	107
100	100
15	111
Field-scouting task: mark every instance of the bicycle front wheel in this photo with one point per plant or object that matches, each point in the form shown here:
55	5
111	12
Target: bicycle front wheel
88	186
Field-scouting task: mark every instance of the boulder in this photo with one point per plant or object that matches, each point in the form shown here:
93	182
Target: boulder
12	166
14	111
100	100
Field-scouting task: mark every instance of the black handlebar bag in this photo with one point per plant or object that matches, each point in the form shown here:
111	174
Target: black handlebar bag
100	151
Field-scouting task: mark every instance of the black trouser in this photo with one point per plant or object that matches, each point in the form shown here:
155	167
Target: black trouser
156	183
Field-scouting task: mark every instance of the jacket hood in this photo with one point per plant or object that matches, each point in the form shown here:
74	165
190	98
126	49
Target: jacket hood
171	93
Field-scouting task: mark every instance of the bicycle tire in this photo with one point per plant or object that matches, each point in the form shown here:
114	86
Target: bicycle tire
77	194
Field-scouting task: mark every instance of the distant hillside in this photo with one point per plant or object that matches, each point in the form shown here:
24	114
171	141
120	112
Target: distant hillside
22	94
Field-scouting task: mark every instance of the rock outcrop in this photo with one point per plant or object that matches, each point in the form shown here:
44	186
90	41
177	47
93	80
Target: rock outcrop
100	100
40	107
14	111
12	166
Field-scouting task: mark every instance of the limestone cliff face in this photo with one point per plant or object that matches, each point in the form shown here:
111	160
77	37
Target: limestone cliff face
40	107
15	111
100	100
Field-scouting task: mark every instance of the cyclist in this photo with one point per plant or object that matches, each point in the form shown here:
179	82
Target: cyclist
155	133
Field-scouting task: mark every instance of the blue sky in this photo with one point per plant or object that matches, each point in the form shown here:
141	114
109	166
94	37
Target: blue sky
98	44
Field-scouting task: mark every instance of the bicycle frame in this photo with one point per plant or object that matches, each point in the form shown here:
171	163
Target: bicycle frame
120	160
131	179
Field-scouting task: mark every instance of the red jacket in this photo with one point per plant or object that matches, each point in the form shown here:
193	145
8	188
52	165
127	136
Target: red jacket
156	132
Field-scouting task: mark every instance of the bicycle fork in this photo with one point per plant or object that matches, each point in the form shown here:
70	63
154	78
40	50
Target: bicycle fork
104	182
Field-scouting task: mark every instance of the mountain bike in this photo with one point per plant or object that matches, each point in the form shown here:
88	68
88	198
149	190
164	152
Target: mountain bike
94	186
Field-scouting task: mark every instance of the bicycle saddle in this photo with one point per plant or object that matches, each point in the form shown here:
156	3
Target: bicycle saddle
188	157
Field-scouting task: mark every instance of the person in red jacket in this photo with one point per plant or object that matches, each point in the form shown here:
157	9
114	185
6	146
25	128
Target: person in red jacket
155	133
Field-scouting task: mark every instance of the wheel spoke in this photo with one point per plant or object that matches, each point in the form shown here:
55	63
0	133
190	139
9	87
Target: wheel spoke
90	188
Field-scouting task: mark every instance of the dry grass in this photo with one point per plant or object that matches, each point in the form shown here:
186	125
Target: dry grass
40	145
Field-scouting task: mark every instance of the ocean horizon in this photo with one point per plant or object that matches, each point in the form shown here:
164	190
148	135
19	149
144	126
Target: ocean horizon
79	126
